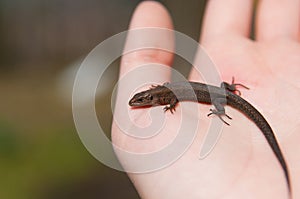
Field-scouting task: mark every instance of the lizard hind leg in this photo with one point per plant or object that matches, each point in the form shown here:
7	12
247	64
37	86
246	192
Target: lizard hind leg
219	114
220	110
233	86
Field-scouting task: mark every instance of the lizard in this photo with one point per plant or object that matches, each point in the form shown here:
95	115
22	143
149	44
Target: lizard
171	93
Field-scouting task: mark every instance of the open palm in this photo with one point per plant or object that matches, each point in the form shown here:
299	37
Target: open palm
242	164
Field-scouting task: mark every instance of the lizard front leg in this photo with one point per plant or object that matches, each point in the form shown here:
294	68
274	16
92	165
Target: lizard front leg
171	106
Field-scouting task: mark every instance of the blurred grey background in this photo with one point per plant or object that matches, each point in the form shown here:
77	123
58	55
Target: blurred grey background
42	45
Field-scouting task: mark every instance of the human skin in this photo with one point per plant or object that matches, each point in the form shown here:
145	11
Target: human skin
242	164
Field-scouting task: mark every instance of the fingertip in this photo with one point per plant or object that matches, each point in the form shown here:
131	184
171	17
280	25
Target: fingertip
225	19
150	37
151	14
277	19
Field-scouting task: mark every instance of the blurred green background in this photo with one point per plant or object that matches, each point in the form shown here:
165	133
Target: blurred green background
42	44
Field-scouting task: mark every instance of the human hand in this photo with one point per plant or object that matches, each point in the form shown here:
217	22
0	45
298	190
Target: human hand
242	163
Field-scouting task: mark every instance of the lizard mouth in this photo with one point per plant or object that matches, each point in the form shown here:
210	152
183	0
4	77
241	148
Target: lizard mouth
134	102
138	103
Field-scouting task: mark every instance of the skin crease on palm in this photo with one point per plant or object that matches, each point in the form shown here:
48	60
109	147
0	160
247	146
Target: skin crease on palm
242	164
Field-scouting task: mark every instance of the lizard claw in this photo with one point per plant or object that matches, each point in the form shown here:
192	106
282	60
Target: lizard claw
233	86
171	108
219	114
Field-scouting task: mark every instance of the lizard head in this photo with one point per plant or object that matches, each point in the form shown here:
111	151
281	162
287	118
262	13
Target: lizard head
144	98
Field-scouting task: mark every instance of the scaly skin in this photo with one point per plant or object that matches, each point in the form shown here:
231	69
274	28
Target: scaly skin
171	93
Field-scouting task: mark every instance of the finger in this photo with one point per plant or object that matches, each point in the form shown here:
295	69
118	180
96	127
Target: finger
277	19
225	18
149	14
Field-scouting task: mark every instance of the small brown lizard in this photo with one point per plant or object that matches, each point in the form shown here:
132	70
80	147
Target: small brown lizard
171	93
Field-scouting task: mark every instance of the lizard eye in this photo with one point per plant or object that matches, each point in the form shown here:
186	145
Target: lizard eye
149	97
140	99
